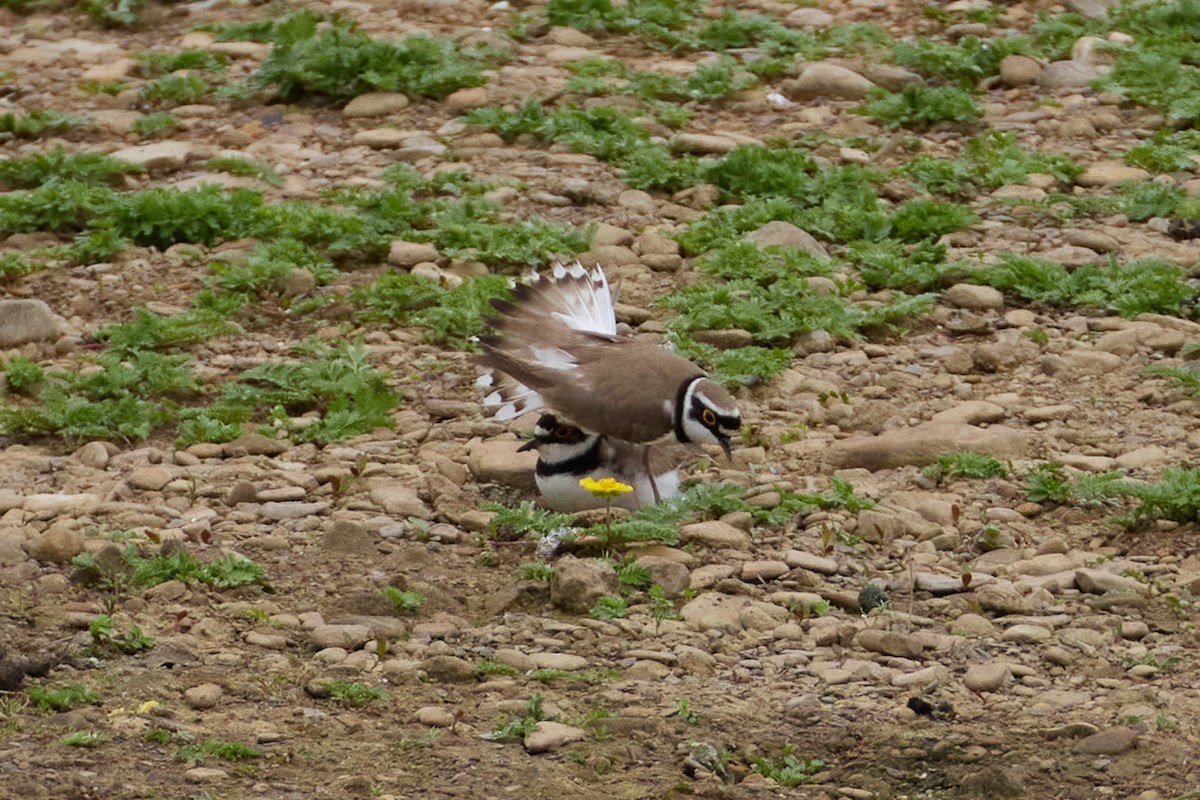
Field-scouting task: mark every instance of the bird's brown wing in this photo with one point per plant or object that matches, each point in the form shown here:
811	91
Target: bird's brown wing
625	389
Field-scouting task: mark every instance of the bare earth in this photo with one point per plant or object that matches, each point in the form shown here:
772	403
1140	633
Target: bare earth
1045	683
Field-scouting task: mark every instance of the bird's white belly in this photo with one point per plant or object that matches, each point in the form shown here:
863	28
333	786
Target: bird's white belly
563	492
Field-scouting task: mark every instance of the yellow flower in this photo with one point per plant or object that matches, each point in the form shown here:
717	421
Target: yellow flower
606	487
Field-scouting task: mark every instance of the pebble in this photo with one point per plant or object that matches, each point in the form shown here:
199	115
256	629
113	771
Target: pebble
890	643
24	321
563	661
785	234
970	295
1109	742
987	677
204	696
376	104
1019	70
166	156
1058	75
499	462
449	669
93	454
279	512
1025	634
547	736
715	534
58	545
972	625
824	80
800	559
756	571
434	717
578	583
347	636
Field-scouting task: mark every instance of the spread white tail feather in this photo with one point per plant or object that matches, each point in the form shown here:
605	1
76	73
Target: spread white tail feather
579	299
509	398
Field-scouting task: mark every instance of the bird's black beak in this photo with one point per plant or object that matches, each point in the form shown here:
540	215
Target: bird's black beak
530	445
724	440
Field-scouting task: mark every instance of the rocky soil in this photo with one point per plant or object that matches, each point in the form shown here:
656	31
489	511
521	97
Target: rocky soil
1051	653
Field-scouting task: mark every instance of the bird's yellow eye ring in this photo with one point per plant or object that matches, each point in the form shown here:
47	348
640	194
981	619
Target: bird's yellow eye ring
562	432
708	418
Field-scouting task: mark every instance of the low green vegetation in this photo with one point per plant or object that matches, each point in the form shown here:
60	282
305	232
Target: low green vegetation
107	639
518	727
135	571
38	123
609	607
660	522
36	169
244	167
405	602
55	701
340	62
156	124
1130	289
921	107
82	739
786	769
965	464
174	90
112	13
352	694
986	162
199	752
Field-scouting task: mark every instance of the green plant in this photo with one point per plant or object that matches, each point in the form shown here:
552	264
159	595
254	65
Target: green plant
82	739
661	607
1128	289
920	107
112	13
1167	151
107	639
340	63
684	710
157	63
965	62
631	576
152	125
786	769
451	317
587	676
485	667
405	602
37	123
37	168
1181	377
609	607
22	375
200	752
174	90
891	264
150	331
110	88
965	464
229	571
526	518
351	396
1175	496
517	728
244	167
261	273
351	693
64	699
1047	482
538	571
